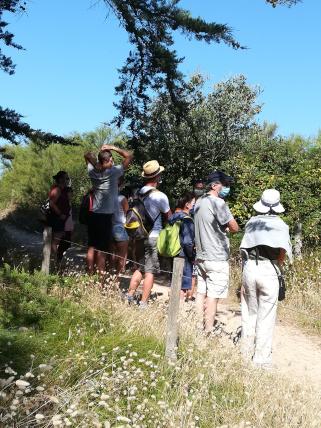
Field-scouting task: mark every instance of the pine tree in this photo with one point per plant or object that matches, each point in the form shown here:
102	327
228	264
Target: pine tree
151	67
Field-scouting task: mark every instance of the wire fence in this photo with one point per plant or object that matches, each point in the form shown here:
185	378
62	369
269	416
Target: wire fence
273	303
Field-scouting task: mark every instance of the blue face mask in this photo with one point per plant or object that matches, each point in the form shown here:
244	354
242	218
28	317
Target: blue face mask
224	192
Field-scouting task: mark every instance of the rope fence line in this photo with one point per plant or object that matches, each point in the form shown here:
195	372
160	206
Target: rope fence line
273	303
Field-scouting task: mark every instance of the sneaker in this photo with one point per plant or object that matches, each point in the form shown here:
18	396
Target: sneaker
129	298
143	305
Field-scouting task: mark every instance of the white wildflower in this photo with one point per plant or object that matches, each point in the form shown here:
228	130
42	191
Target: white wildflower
29	375
123	419
39	417
104	397
22	384
44	367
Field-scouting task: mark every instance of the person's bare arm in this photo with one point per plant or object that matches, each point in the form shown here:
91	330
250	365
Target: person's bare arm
53	198
128	156
167	215
90	158
281	257
232	226
124	204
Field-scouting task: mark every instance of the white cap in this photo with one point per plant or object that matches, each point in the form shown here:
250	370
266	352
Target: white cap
270	200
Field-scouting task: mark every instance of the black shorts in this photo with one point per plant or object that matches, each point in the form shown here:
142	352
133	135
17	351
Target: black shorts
56	223
100	231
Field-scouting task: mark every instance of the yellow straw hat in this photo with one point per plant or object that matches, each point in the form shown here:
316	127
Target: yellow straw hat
151	169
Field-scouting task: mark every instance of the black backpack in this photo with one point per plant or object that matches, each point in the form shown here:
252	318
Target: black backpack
139	223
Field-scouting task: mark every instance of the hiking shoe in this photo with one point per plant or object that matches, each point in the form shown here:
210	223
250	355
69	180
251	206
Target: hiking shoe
130	299
143	305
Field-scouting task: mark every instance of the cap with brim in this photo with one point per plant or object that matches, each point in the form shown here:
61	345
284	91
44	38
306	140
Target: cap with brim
270	200
151	169
219	176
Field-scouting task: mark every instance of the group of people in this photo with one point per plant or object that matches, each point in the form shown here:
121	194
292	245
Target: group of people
205	225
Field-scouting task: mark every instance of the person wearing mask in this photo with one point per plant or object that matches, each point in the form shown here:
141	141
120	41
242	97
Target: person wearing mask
213	221
120	235
104	176
157	205
60	207
265	243
199	188
187	235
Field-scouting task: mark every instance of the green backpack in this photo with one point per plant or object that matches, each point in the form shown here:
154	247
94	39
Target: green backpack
168	241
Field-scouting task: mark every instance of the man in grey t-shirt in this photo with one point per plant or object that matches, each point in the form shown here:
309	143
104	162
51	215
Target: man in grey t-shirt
104	177
213	220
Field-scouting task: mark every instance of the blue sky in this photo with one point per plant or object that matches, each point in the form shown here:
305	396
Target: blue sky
65	79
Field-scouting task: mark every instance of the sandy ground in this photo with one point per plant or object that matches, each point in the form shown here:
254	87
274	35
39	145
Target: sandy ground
295	353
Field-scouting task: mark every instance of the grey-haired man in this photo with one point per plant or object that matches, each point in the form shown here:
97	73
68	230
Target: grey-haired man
213	220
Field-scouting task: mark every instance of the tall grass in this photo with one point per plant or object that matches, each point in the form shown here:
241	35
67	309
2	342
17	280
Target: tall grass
93	361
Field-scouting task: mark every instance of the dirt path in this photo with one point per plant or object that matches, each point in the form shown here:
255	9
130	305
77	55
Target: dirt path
295	354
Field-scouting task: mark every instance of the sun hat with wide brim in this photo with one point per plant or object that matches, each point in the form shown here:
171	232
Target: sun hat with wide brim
151	169
270	200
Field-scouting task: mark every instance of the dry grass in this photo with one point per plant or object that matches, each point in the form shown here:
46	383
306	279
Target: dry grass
302	305
111	373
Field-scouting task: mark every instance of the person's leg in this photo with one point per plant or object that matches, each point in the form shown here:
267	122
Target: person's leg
151	267
137	275
134	282
187	278
121	256
217	288
249	307
210	313
201	295
190	293
147	287
90	260
63	245
268	285
101	262
56	238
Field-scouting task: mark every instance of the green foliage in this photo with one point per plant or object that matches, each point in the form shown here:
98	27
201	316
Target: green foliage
152	65
28	177
221	124
293	167
22	301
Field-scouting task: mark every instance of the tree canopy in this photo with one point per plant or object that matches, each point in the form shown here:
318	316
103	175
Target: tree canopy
152	65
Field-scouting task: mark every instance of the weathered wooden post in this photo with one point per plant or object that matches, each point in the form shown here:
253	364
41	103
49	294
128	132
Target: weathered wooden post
297	247
173	310
46	250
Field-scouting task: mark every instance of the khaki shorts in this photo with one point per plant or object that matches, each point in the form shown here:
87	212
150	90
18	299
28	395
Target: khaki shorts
148	256
213	278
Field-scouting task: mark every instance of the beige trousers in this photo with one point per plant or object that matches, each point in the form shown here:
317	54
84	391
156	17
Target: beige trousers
259	303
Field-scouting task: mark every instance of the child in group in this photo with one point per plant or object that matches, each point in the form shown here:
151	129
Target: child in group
182	213
120	236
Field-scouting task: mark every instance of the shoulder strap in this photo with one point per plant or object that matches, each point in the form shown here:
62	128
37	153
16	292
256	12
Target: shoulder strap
142	198
278	271
146	194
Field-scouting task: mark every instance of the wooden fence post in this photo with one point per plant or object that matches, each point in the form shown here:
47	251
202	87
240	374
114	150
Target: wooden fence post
46	250
173	310
297	247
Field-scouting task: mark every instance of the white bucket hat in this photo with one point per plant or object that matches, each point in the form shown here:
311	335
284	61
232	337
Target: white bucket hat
270	200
